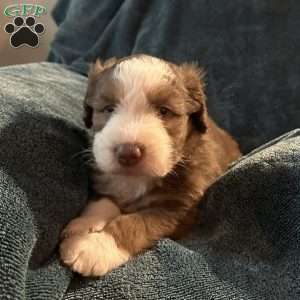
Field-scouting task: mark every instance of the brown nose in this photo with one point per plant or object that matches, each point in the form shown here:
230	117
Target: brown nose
129	154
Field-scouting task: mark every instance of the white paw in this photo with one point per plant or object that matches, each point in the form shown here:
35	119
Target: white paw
92	254
83	225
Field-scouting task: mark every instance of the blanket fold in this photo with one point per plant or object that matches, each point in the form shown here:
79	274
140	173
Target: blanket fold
42	185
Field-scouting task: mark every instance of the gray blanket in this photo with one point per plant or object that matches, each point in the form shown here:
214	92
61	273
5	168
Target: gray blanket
246	245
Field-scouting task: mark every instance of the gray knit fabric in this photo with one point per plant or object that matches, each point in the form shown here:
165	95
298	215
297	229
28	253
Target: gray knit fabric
43	182
247	249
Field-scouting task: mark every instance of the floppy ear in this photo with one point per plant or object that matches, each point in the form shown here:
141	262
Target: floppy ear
95	70
193	79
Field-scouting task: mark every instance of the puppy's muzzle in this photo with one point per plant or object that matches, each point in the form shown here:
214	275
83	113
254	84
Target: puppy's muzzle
129	155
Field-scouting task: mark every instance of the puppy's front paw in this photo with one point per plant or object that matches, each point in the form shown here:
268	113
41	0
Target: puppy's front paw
83	225
92	254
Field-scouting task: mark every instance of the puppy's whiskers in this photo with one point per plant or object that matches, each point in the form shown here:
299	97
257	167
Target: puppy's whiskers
86	156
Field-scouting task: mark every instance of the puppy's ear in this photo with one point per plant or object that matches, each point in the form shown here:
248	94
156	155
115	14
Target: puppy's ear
95	69
99	66
193	79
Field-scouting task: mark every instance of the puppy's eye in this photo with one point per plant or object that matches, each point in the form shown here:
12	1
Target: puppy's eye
108	109
165	112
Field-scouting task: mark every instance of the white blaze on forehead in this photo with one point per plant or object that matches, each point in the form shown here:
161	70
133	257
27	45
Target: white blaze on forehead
143	72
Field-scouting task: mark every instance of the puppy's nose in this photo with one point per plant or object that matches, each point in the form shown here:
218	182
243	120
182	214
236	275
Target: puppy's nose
129	154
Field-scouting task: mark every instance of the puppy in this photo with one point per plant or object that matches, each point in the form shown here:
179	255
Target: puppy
156	151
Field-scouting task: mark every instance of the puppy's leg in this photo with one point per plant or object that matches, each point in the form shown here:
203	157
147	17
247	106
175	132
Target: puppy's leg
96	254
94	217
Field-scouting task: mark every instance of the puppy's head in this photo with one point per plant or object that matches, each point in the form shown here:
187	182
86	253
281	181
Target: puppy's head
142	110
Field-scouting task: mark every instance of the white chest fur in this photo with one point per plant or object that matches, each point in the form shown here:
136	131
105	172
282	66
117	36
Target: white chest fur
125	189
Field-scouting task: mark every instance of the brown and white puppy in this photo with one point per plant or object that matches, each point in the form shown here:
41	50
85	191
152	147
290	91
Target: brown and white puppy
156	151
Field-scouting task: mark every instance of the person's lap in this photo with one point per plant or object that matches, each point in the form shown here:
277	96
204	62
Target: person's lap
43	184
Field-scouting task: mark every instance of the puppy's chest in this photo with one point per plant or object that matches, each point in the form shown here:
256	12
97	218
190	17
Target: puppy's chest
129	192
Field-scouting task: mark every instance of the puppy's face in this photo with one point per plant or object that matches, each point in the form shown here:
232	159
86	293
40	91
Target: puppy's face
142	110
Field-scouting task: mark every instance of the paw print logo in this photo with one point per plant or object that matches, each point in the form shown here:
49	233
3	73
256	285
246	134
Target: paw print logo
24	32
